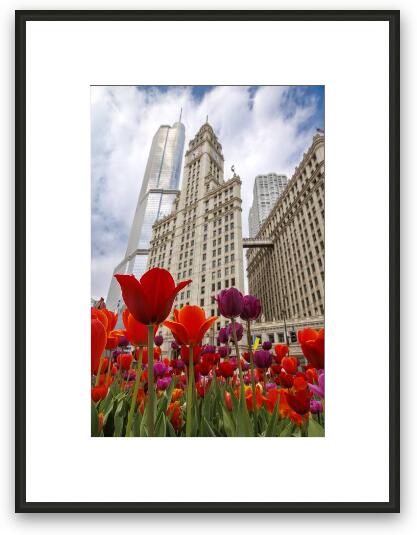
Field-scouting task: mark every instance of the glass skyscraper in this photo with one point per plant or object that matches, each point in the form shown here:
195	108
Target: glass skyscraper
266	191
157	194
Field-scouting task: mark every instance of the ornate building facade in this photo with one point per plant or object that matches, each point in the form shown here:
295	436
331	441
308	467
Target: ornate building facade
202	238
289	276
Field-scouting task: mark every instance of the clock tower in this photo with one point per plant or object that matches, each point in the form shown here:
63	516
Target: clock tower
203	166
202	238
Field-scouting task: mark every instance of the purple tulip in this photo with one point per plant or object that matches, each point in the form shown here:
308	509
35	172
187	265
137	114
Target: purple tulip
251	308
223	351
223	336
123	341
174	345
270	386
238	330
245	366
262	358
246	379
159	340
208	349
178	364
230	303
163	382
316	406
159	368
318	390
267	345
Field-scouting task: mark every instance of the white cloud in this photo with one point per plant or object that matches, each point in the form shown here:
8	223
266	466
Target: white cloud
261	130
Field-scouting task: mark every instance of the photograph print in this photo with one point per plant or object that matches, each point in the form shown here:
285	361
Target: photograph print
207	261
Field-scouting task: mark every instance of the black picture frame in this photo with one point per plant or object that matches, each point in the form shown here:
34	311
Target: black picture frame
393	505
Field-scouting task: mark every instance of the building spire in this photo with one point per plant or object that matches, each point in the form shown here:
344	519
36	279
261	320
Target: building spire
180	115
207	119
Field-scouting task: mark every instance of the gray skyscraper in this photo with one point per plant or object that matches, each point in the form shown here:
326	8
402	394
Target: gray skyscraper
266	191
159	188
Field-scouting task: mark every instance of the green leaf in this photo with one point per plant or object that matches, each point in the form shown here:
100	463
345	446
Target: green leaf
170	429
244	426
119	419
137	419
208	431
272	424
143	430
287	430
94	420
160	427
229	425
314	428
235	403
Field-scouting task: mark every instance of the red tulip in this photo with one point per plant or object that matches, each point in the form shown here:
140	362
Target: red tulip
136	332
185	354
99	392
312	345
174	414
285	379
225	369
98	343
281	351
156	354
228	400
290	364
150	299
124	360
299	401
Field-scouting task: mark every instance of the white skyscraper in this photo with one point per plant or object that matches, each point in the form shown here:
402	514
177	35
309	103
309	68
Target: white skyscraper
156	198
266	191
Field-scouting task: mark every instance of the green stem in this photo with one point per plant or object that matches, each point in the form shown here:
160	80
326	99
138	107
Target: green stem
151	387
98	371
242	387
109	367
188	428
135	393
252	372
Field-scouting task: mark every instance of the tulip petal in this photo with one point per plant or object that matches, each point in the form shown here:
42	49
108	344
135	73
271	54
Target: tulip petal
206	326
178	330
135	298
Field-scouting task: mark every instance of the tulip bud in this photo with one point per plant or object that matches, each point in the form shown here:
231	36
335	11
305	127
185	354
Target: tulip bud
230	303
223	336
251	308
159	340
262	359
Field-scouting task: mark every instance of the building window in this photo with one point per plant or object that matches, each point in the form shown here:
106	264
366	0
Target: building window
202	302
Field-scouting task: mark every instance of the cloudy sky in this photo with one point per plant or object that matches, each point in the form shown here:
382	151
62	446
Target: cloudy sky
262	129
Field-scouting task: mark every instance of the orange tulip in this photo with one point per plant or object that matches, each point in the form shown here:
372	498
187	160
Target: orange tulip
111	319
101	316
190	324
